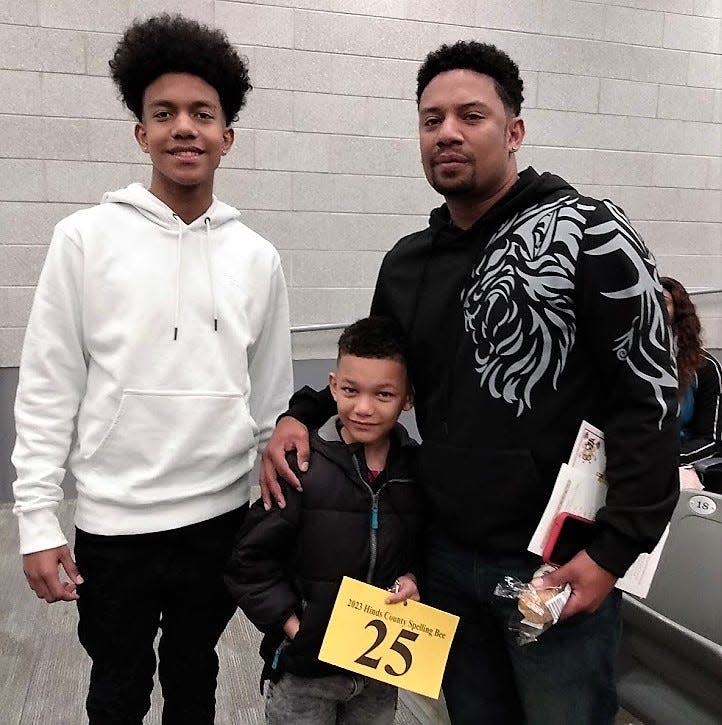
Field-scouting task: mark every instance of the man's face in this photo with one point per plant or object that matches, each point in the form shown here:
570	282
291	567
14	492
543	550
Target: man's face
370	395
185	133
466	135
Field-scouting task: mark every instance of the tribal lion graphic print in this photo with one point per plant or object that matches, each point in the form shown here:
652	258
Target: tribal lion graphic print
519	303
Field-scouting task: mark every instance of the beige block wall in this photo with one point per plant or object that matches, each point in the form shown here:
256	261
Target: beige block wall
623	97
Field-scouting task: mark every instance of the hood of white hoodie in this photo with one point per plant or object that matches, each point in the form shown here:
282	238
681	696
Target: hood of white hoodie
155	210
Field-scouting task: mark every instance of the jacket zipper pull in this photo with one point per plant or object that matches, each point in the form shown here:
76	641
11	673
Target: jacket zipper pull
375	514
277	654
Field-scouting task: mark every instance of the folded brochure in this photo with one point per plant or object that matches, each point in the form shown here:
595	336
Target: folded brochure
581	488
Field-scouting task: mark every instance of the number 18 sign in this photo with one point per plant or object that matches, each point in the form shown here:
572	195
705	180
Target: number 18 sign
406	645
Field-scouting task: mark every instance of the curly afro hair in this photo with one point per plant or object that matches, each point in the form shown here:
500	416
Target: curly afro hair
175	44
482	58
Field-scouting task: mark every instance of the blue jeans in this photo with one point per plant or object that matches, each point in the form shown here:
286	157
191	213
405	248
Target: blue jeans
346	699
567	676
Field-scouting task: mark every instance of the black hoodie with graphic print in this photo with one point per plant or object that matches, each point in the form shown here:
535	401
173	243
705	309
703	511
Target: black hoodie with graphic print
546	312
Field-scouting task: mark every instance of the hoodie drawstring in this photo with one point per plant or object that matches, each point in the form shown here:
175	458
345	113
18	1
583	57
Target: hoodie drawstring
206	250
179	260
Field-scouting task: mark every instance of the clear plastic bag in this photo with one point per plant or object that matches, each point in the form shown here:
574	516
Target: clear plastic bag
537	609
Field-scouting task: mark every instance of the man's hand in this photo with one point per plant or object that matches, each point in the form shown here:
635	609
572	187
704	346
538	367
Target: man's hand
406	589
590	584
288	435
41	571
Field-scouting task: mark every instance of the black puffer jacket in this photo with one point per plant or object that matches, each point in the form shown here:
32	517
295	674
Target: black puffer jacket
293	559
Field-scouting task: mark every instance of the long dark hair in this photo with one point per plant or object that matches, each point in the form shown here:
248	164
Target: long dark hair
686	329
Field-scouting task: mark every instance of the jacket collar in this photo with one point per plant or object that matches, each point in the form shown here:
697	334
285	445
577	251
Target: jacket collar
328	442
329	432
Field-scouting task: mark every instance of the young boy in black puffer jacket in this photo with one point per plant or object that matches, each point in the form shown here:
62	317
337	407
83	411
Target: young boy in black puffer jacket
360	515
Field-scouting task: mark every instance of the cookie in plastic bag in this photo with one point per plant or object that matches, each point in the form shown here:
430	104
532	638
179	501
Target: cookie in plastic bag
538	609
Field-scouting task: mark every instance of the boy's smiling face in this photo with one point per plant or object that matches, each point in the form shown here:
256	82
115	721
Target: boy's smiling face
370	394
184	130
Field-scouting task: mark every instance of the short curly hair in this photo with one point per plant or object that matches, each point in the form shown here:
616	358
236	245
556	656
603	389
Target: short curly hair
175	44
376	337
482	58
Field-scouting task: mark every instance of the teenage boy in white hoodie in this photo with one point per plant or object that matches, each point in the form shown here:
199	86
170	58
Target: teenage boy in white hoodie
156	360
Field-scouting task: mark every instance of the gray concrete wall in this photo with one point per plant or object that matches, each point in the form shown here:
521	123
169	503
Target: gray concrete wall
623	97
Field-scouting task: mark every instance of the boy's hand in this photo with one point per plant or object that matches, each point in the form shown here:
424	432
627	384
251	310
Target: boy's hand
291	626
41	571
590	584
404	588
288	435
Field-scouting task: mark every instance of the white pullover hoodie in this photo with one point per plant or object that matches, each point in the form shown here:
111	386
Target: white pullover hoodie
156	360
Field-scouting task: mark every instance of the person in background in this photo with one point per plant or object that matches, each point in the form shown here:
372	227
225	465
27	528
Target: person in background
156	359
700	381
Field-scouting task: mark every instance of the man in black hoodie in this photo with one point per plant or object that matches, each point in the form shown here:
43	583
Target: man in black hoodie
529	308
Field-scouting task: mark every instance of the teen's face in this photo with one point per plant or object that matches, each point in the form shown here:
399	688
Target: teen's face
370	395
467	135
185	133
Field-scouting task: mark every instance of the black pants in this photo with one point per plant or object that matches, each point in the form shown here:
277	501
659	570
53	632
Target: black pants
136	584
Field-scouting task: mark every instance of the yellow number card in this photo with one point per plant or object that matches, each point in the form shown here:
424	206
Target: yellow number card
403	644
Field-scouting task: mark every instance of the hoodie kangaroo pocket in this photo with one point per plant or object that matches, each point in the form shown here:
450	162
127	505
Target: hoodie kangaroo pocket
178	437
